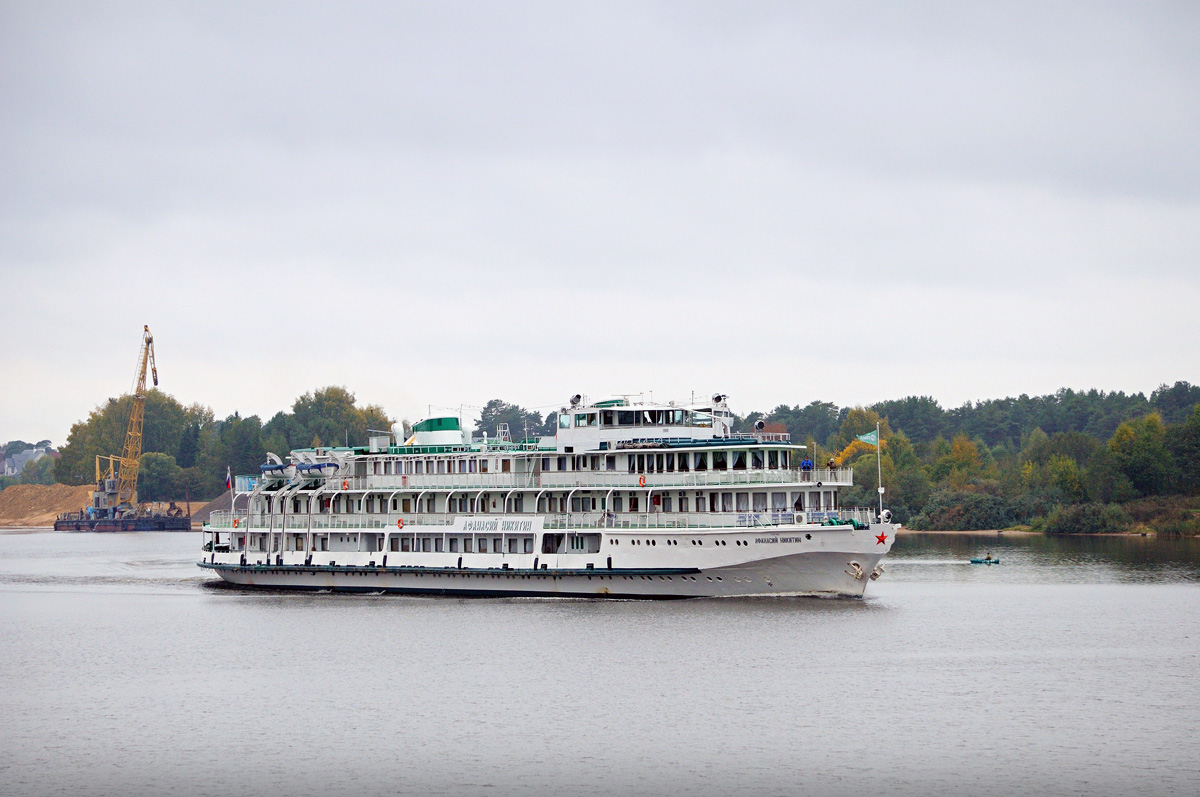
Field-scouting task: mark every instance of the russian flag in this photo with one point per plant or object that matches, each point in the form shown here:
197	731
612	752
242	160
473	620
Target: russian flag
228	479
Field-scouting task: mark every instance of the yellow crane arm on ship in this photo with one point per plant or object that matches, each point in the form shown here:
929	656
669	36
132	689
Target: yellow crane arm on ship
126	465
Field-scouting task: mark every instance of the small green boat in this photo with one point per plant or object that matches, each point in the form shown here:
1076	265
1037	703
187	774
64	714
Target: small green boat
985	561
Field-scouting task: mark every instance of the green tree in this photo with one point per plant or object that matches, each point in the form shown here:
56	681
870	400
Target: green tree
189	446
520	420
1139	447
1183	441
158	475
103	433
1104	481
38	471
328	414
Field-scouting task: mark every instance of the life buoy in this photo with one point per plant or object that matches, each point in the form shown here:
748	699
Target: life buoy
345	484
641	481
235	523
400	523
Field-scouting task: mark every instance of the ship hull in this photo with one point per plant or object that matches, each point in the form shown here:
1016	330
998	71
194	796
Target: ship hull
816	573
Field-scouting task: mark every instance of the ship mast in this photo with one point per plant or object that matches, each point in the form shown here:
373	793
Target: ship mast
130	457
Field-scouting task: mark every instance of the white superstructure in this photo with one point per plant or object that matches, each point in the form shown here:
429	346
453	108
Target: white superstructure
628	499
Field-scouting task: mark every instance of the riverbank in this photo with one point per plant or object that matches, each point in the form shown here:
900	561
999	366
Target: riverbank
37	505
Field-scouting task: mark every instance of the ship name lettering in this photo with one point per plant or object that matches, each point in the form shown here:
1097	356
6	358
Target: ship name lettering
767	539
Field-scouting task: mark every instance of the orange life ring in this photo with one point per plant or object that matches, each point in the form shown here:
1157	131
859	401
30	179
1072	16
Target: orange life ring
235	523
400	523
642	481
345	484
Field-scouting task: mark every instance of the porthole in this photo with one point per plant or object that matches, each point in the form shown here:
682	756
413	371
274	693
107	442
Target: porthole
808	536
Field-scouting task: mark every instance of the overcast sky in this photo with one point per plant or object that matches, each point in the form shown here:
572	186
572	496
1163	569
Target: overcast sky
443	203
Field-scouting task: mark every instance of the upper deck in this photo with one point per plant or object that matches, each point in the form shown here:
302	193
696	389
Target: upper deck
614	444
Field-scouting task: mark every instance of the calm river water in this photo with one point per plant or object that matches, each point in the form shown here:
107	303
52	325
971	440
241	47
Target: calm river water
1073	667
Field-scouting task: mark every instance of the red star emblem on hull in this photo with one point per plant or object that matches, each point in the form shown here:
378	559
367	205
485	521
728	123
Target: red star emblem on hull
880	539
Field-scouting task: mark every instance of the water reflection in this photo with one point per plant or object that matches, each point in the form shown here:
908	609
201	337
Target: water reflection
1034	558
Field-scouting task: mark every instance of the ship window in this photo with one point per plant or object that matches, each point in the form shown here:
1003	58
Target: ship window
773	459
406	505
496	545
506	466
618	503
483	466
743	502
608	418
610	462
726	502
405	544
562	463
633	503
739	460
683	502
581	419
438	544
564	421
756	460
701	460
626	418
595	462
528	544
632	463
683	462
441	466
785	458
658	462
467	544
720	460
670	463
760	502
641	463
483	545
666	503
453	545
779	500
426	544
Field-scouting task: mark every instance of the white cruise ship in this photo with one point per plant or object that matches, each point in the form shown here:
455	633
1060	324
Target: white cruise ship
629	499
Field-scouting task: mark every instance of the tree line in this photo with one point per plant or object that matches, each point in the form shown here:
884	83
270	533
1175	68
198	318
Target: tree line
186	450
1069	460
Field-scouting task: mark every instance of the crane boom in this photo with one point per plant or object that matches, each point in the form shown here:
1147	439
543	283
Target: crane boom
132	453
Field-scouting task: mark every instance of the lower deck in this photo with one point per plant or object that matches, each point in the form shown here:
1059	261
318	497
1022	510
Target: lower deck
467	559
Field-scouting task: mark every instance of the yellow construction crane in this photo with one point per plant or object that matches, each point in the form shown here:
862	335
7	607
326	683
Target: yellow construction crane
118	484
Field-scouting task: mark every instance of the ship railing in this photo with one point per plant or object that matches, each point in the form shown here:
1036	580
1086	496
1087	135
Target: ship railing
394	522
584	479
704	520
